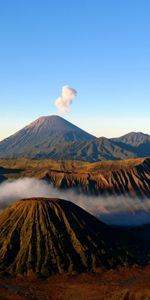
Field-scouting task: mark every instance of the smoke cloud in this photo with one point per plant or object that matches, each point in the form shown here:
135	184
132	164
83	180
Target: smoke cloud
112	210
64	102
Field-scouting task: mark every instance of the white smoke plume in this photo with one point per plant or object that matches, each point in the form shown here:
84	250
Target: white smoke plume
64	102
112	210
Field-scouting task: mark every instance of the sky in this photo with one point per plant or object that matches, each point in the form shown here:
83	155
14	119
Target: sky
100	48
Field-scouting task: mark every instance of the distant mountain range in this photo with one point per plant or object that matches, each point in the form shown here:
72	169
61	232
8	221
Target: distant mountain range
54	137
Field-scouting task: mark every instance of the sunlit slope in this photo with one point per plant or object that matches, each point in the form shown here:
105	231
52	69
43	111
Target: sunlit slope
127	177
47	236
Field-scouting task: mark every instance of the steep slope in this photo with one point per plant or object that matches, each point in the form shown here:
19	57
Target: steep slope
137	143
122	177
55	138
130	177
133	138
103	149
98	149
43	137
47	236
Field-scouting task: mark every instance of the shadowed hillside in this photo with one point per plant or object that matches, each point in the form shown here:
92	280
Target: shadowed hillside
52	137
48	136
47	236
133	138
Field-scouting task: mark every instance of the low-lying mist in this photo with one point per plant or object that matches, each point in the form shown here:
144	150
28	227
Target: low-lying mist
118	210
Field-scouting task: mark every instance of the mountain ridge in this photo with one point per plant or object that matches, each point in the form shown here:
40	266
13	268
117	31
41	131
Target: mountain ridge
123	177
133	138
54	137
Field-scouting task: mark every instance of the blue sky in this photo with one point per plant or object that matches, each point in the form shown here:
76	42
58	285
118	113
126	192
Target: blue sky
100	48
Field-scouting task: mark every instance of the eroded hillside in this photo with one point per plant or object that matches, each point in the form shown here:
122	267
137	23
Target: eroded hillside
48	236
127	177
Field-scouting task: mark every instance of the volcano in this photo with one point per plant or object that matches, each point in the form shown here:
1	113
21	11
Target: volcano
48	236
55	138
43	137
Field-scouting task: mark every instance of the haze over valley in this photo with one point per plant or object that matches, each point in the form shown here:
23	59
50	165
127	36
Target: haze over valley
74	150
73	203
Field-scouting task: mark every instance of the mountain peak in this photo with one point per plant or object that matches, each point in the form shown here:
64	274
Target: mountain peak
42	136
53	122
43	119
56	138
53	236
135	133
133	138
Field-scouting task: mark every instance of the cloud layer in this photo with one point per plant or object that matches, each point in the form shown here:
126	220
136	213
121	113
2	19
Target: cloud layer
63	103
112	210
